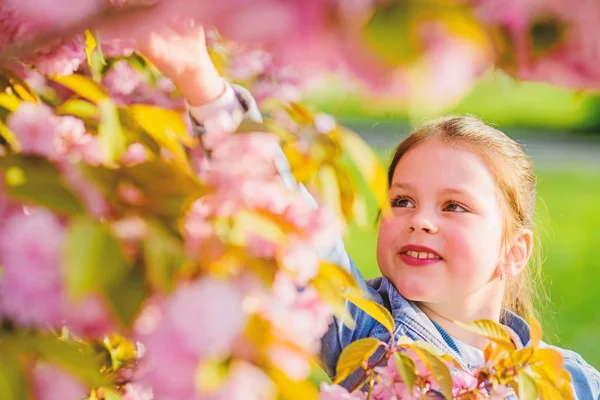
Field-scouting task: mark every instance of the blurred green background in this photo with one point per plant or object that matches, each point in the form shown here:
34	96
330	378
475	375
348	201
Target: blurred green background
561	131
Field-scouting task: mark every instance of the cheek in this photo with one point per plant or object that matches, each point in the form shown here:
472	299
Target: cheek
476	247
385	239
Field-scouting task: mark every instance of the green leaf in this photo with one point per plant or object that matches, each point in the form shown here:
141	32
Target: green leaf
491	330
438	368
164	255
111	394
390	32
378	312
84	87
368	166
94	262
355	356
527	386
112	139
33	179
169	189
9	137
76	358
546	34
406	369
127	295
13	380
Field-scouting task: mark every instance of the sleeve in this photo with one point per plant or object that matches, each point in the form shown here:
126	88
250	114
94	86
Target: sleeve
238	104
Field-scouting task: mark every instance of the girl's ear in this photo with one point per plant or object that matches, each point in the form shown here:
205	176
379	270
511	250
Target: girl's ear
519	253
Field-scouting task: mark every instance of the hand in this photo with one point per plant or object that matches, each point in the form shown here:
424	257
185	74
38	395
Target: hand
179	51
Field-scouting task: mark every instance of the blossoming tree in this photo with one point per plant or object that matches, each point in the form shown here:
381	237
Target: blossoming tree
140	261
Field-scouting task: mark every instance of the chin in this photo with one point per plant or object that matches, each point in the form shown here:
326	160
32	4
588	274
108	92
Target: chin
415	291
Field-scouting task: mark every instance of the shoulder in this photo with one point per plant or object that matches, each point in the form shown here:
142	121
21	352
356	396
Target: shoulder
585	378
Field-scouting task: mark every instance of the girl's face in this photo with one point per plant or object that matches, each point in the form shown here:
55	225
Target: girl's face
443	238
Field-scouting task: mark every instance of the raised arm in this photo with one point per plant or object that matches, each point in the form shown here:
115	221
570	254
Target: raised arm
182	56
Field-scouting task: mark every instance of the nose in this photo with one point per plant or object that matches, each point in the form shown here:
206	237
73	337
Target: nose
422	221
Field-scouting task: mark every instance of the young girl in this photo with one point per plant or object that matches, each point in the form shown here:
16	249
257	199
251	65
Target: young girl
458	240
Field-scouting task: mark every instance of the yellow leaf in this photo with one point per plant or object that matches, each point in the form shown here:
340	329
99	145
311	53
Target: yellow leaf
547	363
300	113
404	341
159	121
78	108
527	386
536	332
211	374
19	86
9	137
330	190
292	390
548	391
438	368
490	330
354	357
406	369
83	86
90	45
519	357
9	102
167	128
376	311
331	281
368	165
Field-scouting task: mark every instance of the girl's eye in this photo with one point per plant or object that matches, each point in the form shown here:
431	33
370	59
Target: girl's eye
402	202
454	207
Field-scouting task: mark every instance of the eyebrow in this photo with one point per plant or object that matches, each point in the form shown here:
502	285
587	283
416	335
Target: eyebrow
445	191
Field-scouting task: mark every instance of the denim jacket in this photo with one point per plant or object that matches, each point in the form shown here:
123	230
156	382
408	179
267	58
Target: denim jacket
409	319
412	322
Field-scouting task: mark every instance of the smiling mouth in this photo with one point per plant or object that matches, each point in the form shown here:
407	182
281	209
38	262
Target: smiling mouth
421	255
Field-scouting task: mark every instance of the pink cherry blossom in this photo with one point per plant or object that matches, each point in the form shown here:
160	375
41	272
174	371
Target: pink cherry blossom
90	317
135	154
52	383
462	381
35	128
119	47
207	314
301	259
300	317
169	365
134	391
31	291
122	79
62	58
244	382
200	319
74	143
337	392
294	364
46	13
569	61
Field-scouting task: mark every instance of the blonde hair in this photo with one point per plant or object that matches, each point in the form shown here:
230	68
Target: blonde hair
513	172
